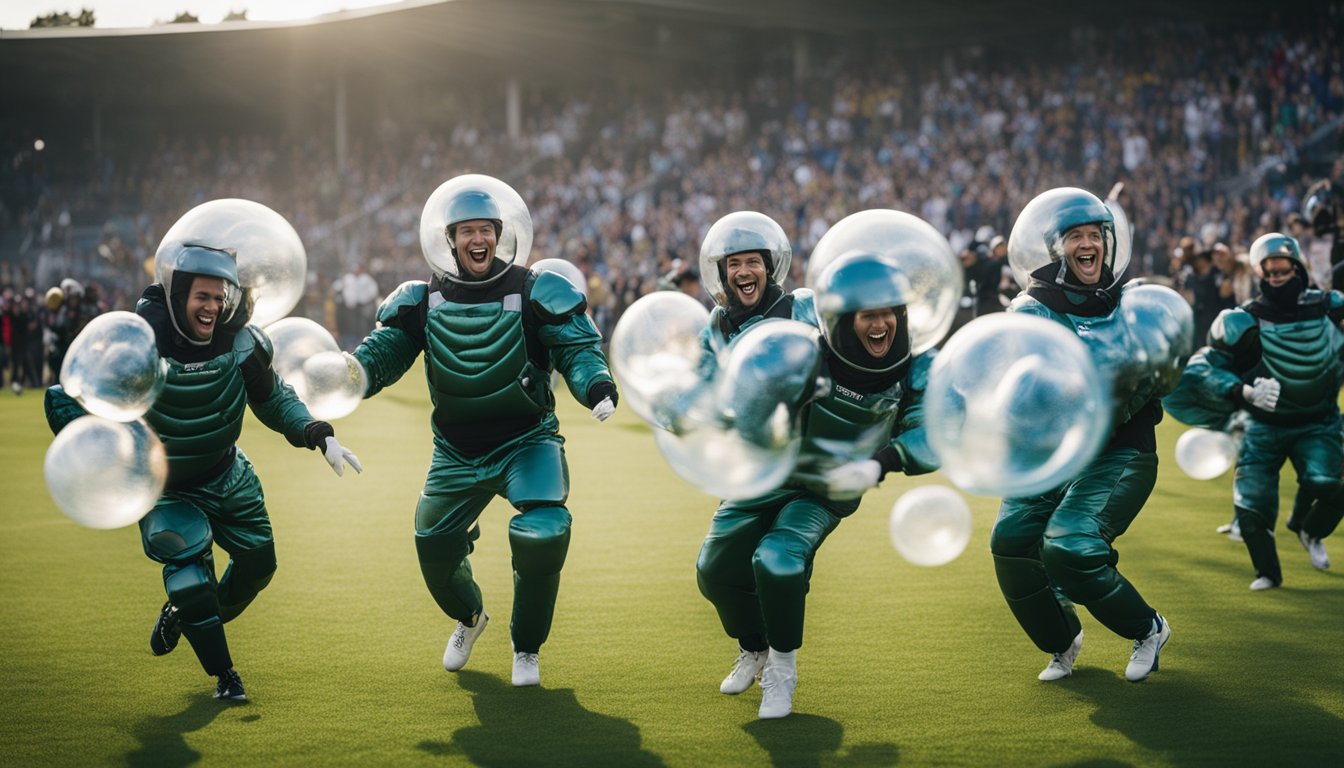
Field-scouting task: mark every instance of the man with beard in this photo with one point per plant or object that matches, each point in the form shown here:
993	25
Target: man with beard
1278	358
863	419
1054	550
217	363
492	332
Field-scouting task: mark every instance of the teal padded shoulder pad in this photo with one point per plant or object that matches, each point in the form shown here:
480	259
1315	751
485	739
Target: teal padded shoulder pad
554	298
1230	328
254	342
408	294
804	307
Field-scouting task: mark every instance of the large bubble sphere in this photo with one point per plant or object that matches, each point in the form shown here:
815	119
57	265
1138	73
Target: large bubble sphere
770	370
655	353
564	268
272	263
930	525
1015	406
515	238
330	382
1161	327
104	473
722	463
1204	454
920	251
113	367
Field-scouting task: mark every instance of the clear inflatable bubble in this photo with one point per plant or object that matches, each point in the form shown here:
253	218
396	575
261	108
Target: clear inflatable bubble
920	251
104	473
770	369
330	382
1015	406
930	525
1204	454
335	383
272	263
655	353
722	463
1036	225
515	238
564	268
1161	329
113	367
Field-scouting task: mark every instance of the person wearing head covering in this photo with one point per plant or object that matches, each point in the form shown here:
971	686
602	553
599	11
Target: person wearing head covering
217	363
492	332
1055	550
1278	358
860	416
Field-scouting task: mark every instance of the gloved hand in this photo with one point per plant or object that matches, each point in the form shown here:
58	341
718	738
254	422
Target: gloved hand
603	410
338	456
1264	394
854	477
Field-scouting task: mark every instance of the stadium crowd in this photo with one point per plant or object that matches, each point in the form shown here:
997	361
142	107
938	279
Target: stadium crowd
1215	135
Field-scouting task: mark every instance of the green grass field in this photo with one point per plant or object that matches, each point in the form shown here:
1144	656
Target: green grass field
902	665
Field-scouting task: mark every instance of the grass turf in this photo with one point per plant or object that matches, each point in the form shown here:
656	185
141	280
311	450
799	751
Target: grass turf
902	665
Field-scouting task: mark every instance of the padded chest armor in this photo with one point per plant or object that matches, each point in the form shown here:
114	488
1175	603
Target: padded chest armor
477	364
199	414
1301	355
842	426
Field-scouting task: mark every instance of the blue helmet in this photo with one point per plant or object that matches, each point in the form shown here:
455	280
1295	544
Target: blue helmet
470	205
1273	244
180	265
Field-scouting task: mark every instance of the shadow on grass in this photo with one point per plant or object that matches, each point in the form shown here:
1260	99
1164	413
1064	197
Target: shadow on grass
537	726
810	741
1258	710
161	738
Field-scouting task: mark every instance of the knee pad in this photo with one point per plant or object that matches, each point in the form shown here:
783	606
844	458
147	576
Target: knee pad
539	539
191	588
253	568
1073	562
444	549
1020	577
176	533
778	562
1320	487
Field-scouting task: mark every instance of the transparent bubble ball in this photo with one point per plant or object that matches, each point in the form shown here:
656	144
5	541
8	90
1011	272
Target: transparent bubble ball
113	367
564	268
1015	406
105	474
1161	329
918	249
770	370
722	463
272	263
1204	454
655	353
514	244
330	382
930	525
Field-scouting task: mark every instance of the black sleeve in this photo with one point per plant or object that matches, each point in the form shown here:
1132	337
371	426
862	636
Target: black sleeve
600	390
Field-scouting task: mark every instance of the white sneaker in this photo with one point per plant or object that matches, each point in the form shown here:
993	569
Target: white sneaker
526	669
1061	664
778	679
1263	582
459	645
746	670
1315	550
1143	661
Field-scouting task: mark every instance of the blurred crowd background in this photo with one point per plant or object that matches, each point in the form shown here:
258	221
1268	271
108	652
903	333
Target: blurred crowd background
1216	130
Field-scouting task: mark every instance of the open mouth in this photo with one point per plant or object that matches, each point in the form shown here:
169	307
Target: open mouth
746	289
478	256
1087	262
877	342
205	322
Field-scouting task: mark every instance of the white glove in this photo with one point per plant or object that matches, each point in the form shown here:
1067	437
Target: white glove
854	477
603	410
338	456
1263	395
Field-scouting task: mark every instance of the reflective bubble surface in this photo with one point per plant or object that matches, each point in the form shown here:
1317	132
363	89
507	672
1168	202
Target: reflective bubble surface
104	473
113	367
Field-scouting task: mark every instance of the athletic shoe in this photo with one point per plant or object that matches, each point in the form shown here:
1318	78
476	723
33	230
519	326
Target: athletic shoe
459	645
746	670
778	679
230	687
1143	661
1263	582
167	631
526	669
1315	550
1061	664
